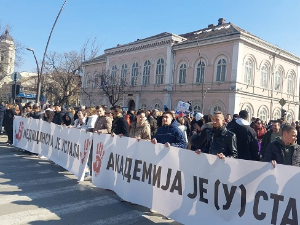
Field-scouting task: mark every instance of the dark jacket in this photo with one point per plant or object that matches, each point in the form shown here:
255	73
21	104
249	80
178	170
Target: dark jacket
68	122
221	141
158	120
153	125
171	134
120	126
2	110
37	115
57	119
8	119
247	144
275	151
265	142
199	140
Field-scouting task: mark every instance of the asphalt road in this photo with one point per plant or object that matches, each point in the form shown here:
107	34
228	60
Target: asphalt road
37	191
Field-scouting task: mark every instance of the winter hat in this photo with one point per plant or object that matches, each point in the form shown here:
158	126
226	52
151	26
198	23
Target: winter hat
198	116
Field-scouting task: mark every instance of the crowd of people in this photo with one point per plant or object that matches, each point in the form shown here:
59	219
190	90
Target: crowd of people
222	135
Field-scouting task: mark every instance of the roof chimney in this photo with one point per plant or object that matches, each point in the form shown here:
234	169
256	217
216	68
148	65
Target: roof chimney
211	25
221	21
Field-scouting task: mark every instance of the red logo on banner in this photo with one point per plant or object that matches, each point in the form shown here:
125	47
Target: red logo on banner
99	156
86	146
19	134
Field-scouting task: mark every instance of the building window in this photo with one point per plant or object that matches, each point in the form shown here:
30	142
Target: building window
182	74
197	108
2	58
157	106
160	68
217	109
264	77
134	74
200	72
113	74
290	84
248	72
143	106
248	109
289	118
123	73
277	115
146	73
97	80
221	70
277	80
88	81
263	114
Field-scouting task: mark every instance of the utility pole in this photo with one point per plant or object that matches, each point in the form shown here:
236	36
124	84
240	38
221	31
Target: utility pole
40	71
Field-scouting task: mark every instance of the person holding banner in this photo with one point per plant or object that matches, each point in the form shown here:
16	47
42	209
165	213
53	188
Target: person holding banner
119	124
81	119
8	119
169	134
220	141
103	123
284	150
58	115
140	127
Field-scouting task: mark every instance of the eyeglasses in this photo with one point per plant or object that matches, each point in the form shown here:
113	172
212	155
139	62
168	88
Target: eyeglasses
108	113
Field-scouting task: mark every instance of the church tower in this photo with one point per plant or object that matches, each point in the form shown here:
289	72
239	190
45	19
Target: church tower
7	54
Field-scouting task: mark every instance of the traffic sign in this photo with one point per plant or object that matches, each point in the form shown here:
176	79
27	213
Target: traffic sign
15	76
282	102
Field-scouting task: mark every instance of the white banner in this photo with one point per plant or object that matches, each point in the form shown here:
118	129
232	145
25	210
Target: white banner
194	189
183	106
67	147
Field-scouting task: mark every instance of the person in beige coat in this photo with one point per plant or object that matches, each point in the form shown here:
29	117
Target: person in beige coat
140	127
103	123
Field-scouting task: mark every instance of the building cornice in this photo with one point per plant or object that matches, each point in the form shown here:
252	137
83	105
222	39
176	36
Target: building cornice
272	49
169	39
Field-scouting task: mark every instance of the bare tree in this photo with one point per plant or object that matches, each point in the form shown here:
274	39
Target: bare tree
62	79
111	86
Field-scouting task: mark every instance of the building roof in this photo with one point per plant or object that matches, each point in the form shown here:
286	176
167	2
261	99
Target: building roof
6	36
222	29
154	37
100	58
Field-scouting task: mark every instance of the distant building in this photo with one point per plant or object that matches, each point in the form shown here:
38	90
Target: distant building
221	67
7	62
7	54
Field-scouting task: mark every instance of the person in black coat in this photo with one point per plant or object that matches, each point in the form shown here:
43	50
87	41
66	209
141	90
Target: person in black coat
68	119
284	150
8	122
2	110
220	141
119	124
247	144
58	115
36	112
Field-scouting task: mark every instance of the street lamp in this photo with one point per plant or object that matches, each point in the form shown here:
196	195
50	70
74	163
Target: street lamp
40	72
203	97
38	93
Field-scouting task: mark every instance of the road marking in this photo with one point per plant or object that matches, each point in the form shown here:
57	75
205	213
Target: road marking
18	173
51	213
5	199
3	156
130	217
34	182
18	166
